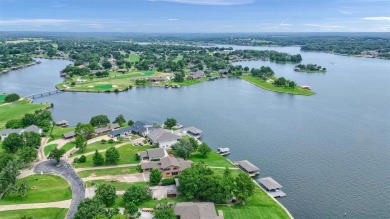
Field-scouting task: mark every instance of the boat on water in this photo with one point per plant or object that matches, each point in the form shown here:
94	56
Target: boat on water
223	151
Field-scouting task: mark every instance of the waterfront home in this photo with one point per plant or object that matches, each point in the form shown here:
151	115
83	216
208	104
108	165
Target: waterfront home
140	128
193	132
32	128
121	70
62	123
106	129
196	74
121	132
248	167
163	138
272	187
196	210
306	87
169	166
153	154
69	135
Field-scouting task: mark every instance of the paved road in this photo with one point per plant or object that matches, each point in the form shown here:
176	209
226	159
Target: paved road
66	171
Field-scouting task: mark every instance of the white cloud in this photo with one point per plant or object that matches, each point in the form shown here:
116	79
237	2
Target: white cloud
341	11
34	21
377	18
173	19
208	2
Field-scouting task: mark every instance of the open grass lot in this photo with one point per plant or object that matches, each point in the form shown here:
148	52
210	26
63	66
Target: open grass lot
268	86
258	206
119	186
95	146
43	188
17	110
213	159
58	131
127	156
49	148
43	213
108	172
68	146
178	58
133	58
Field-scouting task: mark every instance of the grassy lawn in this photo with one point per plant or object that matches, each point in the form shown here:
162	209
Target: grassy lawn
43	213
58	131
213	159
268	86
48	148
127	153
187	82
43	188
133	58
178	58
220	172
119	186
68	146
2	97
258	206
17	110
103	87
107	172
95	146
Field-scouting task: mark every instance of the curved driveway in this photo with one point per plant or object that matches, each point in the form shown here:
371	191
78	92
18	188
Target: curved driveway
66	171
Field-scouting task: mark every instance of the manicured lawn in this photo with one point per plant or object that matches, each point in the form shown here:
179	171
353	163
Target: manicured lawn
17	110
127	154
68	146
43	188
43	213
95	146
119	186
258	206
106	172
220	172
178	58
58	131
103	86
49	148
148	73
212	159
187	82
268	86
133	58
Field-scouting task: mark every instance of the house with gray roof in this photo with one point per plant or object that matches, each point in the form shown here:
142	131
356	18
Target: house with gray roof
248	167
153	154
140	128
32	128
196	74
107	128
163	138
196	210
69	135
169	166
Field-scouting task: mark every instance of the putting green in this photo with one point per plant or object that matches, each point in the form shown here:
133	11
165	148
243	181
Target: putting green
2	97
103	86
148	73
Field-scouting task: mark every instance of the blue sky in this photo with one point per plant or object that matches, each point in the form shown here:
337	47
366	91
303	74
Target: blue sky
203	16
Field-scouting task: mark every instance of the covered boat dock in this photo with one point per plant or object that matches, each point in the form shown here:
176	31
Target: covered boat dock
272	187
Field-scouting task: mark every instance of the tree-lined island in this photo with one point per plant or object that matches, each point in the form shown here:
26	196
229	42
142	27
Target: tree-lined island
309	68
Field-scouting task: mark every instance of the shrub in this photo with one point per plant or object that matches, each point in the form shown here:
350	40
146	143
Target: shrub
103	141
168	181
11	98
111	141
76	160
82	159
73	83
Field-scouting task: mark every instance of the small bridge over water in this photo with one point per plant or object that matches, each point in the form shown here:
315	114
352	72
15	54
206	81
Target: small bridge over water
42	94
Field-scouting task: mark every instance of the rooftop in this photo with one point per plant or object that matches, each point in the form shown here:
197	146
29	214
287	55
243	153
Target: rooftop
193	130
161	135
269	183
196	210
247	166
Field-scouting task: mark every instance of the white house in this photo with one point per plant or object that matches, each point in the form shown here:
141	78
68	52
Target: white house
164	138
32	128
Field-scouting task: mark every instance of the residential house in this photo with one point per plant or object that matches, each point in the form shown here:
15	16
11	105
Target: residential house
153	154
32	128
163	138
69	135
169	166
196	210
106	129
196	74
62	123
140	128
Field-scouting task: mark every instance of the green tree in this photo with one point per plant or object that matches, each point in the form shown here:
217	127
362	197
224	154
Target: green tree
8	176
120	119
130	122
106	65
136	194
204	149
90	208
81	142
56	154
32	139
106	193
155	177
179	77
99	120
22	188
14	124
84	129
170	122
11	98
244	186
28	154
292	84
190	188
164	213
29	119
13	142
183	148
194	143
118	216
112	155
98	159
131	208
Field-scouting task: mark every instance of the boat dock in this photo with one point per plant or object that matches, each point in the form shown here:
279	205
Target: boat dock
248	168
272	187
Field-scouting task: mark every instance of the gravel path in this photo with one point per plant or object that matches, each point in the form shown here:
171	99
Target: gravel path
66	171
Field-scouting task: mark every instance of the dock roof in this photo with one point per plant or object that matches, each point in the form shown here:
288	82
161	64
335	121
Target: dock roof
269	183
247	166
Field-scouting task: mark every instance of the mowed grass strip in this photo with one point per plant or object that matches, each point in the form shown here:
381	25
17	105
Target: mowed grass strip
43	213
17	110
68	146
95	146
212	159
49	148
108	172
268	86
43	188
119	186
258	206
127	156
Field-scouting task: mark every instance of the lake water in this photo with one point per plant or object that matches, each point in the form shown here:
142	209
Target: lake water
330	151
